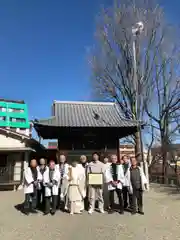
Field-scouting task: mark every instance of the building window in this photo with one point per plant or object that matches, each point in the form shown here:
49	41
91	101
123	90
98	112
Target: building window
2	109
16	110
2	118
19	120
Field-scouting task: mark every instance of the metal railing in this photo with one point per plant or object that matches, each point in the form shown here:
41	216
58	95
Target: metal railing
172	179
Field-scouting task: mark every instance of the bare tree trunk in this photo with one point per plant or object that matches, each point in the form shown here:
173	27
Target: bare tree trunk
164	147
165	167
138	146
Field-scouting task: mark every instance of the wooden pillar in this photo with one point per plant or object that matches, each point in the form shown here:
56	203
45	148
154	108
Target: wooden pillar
25	163
26	159
118	149
58	151
22	165
58	144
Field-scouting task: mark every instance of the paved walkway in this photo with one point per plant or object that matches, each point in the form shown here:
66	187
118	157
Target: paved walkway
161	221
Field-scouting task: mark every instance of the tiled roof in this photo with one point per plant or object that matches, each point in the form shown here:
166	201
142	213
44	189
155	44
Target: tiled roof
86	114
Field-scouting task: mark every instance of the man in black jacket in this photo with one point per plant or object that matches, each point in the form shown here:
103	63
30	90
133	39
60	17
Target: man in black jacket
126	196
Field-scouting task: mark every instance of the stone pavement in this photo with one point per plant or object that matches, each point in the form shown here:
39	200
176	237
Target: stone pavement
161	221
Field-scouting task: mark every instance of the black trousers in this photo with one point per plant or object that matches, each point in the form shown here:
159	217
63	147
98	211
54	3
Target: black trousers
30	202
41	198
51	205
120	198
127	197
137	200
86	200
60	203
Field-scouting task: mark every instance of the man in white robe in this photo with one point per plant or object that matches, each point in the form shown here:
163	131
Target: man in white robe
51	182
32	178
83	168
127	197
75	193
114	176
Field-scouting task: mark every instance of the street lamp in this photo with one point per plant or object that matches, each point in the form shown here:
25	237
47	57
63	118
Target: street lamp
136	31
138	28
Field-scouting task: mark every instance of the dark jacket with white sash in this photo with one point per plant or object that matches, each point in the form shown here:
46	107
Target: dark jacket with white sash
29	180
51	182
119	176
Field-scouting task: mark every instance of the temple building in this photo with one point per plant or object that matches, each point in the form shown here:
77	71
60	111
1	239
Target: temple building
85	127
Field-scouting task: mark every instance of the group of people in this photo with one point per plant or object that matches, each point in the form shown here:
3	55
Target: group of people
66	187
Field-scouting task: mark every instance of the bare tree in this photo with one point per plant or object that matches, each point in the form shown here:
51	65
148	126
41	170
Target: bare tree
165	88
112	61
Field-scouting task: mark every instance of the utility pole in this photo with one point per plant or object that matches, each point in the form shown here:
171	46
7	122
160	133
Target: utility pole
136	31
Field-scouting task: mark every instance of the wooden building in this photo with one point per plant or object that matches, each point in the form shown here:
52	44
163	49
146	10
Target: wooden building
16	149
85	127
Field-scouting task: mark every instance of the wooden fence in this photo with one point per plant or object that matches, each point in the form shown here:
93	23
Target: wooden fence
156	176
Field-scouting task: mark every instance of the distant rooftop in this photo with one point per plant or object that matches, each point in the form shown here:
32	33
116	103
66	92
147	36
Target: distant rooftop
11	101
83	102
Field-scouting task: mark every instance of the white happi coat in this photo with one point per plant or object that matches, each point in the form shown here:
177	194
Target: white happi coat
28	180
143	180
120	177
126	176
63	182
66	170
42	176
55	188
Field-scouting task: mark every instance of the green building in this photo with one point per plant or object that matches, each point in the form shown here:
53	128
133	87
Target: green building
14	115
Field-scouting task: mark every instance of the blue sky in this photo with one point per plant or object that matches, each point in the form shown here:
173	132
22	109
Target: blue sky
43	49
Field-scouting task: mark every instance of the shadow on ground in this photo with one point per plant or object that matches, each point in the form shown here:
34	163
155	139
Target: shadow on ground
20	207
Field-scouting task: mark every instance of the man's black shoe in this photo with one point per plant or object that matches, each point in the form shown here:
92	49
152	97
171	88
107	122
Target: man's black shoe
111	211
133	213
46	213
53	213
33	211
121	212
